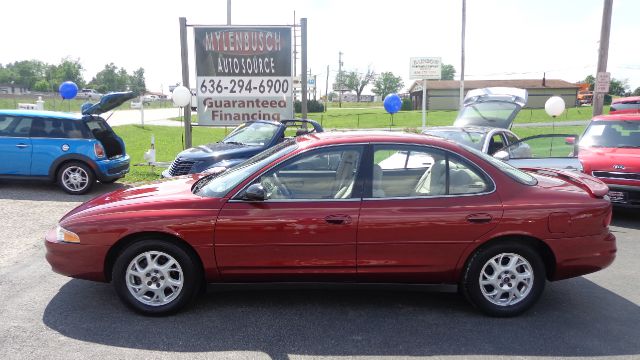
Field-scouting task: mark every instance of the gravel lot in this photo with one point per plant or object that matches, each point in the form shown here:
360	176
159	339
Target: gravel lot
45	315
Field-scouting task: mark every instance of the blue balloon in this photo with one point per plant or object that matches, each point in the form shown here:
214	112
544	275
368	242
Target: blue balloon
392	103
68	90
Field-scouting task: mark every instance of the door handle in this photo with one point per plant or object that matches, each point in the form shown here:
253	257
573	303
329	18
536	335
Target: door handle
479	218
21	145
338	219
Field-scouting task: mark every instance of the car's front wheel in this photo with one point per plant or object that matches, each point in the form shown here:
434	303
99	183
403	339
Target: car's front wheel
76	178
504	279
156	277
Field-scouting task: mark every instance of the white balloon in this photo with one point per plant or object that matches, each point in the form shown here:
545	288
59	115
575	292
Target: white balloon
181	96
554	106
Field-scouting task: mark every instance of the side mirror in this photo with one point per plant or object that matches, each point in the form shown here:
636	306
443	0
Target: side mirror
501	155
570	140
255	192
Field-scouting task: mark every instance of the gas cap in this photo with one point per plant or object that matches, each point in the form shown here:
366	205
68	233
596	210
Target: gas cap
65	147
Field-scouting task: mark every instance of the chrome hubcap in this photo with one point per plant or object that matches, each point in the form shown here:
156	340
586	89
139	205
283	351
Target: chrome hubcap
75	178
154	278
506	279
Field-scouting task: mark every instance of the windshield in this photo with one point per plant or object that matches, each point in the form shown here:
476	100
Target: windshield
471	138
612	134
220	185
517	175
253	133
491	113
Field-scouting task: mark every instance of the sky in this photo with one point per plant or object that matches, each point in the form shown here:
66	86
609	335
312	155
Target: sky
505	39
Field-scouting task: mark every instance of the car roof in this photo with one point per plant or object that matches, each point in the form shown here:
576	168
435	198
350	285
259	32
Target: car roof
617	117
481	129
41	113
358	137
625	99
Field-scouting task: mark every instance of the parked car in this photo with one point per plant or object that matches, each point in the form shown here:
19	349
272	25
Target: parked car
72	150
90	94
243	142
484	123
320	207
625	105
610	151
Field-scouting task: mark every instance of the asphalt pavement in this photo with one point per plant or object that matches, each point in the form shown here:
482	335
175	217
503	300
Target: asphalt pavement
46	315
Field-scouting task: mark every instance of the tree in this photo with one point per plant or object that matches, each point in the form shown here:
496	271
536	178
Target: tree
616	87
386	84
636	92
137	82
356	81
68	70
447	72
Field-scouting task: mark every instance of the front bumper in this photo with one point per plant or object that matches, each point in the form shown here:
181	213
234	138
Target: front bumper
75	260
624	195
112	169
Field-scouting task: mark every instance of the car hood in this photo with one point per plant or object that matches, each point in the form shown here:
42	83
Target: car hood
160	195
219	151
604	159
107	102
507	95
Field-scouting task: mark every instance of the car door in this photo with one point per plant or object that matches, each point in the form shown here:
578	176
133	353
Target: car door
556	151
419	234
303	229
15	145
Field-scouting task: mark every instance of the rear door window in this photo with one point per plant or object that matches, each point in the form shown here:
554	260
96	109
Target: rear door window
14	126
55	128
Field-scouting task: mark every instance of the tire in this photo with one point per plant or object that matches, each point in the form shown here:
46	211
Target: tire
76	178
517	286
141	285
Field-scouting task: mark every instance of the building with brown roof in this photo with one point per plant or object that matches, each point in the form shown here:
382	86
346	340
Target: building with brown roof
445	94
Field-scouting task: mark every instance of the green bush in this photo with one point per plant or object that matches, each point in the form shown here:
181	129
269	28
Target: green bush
607	99
407	105
313	106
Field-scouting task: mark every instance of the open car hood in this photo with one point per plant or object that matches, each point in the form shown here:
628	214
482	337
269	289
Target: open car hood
492	107
107	102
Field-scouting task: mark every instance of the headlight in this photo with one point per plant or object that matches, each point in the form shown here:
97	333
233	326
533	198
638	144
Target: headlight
65	235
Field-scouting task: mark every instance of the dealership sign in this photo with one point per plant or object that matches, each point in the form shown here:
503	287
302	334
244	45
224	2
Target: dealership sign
421	68
243	74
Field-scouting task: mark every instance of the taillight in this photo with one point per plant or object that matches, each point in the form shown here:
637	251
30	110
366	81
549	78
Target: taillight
98	149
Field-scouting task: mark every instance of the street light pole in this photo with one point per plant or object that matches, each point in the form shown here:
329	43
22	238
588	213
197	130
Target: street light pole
464	25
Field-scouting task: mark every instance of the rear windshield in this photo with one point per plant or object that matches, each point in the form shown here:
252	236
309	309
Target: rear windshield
612	134
632	105
516	174
471	138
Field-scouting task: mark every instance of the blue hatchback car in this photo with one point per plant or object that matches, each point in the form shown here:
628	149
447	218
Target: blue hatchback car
72	150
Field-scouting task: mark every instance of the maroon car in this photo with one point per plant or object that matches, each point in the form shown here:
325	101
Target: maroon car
344	207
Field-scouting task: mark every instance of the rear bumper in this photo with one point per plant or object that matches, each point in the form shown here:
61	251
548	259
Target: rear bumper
75	260
111	169
582	255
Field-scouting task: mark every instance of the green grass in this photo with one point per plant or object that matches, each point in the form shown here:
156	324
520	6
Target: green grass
57	104
169	143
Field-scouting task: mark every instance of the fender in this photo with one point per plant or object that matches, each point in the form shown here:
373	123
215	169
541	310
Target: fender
78	157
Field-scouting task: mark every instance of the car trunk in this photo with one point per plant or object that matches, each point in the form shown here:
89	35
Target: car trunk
102	132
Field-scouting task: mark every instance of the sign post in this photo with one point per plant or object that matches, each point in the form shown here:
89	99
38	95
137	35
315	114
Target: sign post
425	68
243	73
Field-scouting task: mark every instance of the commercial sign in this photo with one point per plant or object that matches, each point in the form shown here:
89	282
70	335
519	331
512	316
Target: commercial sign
603	80
421	68
243	74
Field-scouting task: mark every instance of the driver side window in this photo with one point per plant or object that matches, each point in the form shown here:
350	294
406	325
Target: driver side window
318	174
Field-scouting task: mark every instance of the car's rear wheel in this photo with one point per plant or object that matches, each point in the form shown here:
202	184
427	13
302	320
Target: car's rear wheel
76	178
504	279
156	277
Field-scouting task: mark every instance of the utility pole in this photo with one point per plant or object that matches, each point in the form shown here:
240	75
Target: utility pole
326	91
340	79
295	46
303	64
603	54
228	12
464	25
184	55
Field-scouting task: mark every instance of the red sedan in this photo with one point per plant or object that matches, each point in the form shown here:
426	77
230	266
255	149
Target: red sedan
353	207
